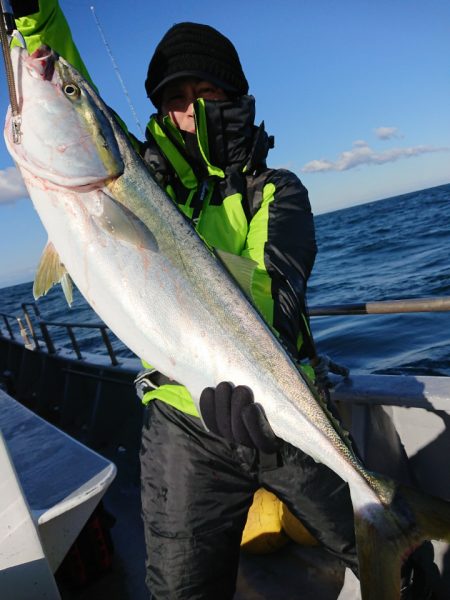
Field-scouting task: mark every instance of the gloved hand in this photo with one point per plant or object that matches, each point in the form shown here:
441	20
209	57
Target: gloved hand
23	8
323	366
232	413
420	575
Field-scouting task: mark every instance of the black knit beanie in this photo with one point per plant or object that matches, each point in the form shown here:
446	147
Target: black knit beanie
195	50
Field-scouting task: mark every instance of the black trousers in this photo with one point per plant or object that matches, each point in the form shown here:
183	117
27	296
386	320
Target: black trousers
196	492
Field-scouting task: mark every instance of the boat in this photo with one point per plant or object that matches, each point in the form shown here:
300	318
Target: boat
77	413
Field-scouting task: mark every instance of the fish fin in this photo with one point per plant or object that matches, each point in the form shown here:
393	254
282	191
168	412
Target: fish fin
432	514
387	534
118	221
240	267
379	562
51	271
66	284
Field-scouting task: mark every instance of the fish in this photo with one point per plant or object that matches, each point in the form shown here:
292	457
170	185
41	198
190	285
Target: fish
181	304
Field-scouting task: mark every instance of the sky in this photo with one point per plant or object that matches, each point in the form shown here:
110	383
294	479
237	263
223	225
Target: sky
356	93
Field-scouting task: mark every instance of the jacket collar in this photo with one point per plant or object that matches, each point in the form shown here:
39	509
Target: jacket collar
226	139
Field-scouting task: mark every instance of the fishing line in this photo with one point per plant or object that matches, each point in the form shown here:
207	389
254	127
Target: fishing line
116	69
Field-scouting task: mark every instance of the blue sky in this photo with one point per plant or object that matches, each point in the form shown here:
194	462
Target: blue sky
355	92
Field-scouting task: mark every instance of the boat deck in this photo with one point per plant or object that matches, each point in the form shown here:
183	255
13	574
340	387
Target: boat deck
93	399
289	573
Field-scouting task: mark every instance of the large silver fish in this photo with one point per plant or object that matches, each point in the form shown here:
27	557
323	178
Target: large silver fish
142	267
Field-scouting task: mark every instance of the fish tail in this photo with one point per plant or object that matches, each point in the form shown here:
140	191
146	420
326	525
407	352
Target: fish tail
388	532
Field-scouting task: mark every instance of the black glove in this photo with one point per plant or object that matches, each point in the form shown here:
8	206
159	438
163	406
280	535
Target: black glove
232	413
23	8
420	575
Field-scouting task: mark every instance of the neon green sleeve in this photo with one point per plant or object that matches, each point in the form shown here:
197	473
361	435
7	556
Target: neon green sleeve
49	27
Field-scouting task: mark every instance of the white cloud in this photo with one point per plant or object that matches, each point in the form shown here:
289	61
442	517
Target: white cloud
12	187
363	154
387	133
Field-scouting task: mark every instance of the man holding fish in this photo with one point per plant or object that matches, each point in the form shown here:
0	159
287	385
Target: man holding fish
197	483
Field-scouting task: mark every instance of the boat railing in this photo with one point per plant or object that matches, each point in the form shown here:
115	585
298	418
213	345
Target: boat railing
33	341
6	318
33	320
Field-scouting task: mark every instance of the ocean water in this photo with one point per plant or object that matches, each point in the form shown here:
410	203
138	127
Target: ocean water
389	249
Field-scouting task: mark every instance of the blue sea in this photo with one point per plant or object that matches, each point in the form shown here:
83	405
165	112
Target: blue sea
389	249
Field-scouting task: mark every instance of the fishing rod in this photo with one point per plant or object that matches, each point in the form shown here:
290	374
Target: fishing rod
8	17
408	305
7	31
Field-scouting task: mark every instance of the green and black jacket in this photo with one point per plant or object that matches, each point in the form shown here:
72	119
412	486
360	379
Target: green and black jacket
218	177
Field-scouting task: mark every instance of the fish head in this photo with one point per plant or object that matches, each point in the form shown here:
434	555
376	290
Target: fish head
66	140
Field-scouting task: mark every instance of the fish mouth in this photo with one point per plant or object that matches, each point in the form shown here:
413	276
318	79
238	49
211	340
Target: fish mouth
41	63
72	153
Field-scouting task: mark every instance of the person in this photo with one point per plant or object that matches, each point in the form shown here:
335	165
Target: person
198	483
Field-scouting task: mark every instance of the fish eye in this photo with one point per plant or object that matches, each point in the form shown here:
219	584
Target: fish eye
71	90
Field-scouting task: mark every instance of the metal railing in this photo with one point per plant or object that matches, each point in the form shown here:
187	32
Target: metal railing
6	320
410	305
35	342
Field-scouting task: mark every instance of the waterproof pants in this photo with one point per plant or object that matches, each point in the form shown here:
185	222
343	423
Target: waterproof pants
196	492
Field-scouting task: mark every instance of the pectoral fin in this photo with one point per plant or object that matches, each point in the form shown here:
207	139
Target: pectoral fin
51	271
240	267
119	222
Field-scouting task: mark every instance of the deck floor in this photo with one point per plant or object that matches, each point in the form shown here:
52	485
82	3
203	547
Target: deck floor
290	573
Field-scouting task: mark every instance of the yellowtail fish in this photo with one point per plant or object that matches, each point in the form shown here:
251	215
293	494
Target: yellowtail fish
173	301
